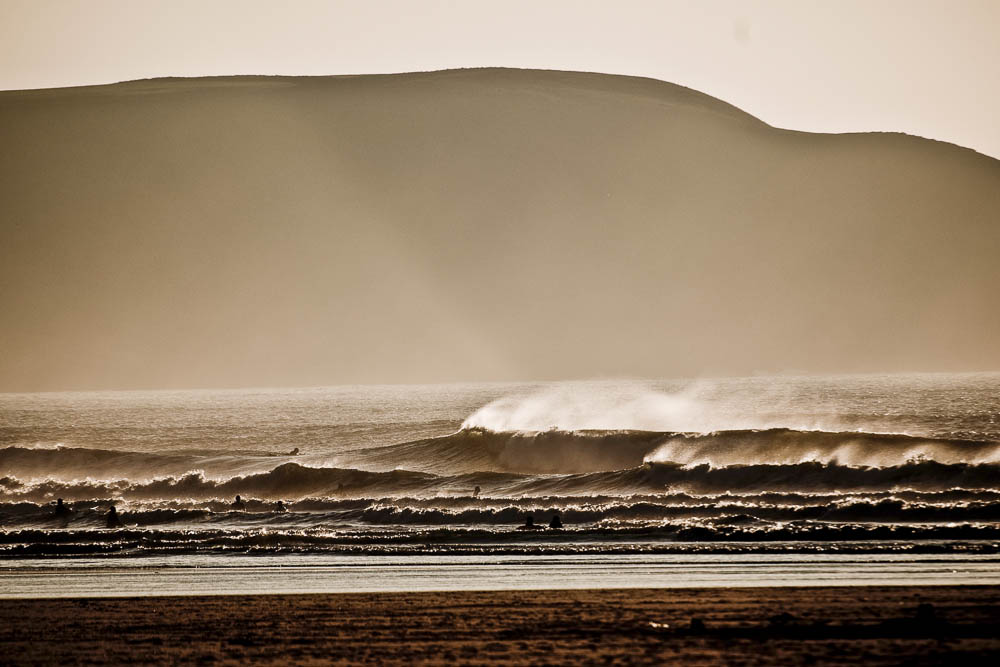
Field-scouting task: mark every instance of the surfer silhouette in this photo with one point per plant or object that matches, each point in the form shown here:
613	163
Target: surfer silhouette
238	505
112	519
294	452
280	507
62	511
529	524
475	492
556	522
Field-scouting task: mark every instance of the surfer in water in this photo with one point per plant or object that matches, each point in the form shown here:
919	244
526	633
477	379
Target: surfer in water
112	519
62	511
238	505
529	524
280	507
556	522
475	492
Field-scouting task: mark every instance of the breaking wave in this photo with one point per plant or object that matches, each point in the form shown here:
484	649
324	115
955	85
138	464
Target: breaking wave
470	489
781	446
291	480
555	451
478	450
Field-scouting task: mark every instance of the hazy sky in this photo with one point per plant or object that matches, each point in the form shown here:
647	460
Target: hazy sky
925	68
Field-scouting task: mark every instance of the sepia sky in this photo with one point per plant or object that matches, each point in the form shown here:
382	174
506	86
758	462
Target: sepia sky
929	68
495	224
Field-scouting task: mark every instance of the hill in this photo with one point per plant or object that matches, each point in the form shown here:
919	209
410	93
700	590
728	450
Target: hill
474	224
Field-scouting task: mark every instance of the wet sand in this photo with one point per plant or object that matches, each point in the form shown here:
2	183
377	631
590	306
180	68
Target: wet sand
870	625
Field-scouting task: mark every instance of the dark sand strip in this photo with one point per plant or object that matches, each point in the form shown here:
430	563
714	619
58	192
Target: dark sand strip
851	625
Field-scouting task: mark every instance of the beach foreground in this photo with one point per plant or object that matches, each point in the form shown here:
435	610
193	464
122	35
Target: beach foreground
874	625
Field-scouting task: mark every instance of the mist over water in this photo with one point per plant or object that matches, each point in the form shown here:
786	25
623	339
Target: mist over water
910	459
597	406
858	403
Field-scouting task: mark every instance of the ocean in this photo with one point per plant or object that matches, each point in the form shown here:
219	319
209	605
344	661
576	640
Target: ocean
733	481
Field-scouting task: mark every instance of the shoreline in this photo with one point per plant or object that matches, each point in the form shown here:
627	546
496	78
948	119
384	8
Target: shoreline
238	574
870	624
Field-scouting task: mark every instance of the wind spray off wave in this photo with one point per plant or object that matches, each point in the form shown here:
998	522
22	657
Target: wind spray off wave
579	429
700	406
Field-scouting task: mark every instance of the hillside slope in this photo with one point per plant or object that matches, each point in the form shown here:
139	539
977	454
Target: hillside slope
474	224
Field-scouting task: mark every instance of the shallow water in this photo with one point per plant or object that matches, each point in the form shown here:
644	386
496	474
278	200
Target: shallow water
238	575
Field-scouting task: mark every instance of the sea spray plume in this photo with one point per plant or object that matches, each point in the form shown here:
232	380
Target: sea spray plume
580	406
697	406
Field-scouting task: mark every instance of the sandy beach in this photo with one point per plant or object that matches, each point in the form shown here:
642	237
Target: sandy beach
873	625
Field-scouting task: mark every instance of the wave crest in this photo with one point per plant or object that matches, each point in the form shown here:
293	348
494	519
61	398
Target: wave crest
555	451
